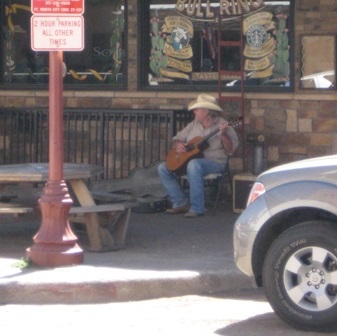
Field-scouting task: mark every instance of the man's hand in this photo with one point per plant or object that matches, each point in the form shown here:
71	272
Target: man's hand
223	127
180	147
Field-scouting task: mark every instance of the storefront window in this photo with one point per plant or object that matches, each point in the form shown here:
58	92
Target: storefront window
101	64
183	44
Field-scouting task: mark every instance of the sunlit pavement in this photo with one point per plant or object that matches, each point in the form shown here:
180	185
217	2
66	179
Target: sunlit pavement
231	313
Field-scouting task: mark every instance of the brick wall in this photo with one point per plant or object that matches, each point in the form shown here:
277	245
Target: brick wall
294	129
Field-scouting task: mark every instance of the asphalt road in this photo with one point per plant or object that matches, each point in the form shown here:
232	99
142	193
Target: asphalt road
235	313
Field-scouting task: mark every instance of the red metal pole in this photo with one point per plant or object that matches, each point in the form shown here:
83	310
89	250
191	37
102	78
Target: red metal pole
56	156
55	244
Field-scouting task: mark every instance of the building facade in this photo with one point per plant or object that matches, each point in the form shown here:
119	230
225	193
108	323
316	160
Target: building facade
158	55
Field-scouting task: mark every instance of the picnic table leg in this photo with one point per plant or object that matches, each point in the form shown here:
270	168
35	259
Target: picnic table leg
99	237
121	228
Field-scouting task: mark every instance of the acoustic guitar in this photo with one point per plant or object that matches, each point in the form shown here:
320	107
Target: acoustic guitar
177	163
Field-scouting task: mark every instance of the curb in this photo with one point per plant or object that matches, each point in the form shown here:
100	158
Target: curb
67	287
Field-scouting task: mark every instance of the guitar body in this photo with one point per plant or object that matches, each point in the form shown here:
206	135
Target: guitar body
177	163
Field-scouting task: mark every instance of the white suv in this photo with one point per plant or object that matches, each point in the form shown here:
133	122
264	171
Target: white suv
286	241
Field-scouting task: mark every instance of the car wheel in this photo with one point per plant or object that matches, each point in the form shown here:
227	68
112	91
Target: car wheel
300	276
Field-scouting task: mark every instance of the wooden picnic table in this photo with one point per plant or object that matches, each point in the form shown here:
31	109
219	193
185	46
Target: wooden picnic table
99	233
39	172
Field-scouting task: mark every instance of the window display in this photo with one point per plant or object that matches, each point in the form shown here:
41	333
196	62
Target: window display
101	63
184	43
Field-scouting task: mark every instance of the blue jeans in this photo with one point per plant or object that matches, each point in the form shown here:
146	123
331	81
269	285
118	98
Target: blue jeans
196	170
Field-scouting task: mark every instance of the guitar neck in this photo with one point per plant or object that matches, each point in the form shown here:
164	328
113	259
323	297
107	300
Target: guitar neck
232	123
211	134
204	139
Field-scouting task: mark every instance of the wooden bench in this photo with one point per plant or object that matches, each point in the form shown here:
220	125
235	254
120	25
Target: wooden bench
113	223
106	217
107	197
15	208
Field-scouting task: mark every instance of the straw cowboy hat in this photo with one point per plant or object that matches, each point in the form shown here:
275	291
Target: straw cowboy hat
205	101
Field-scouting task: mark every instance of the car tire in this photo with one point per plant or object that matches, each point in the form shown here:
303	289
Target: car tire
300	276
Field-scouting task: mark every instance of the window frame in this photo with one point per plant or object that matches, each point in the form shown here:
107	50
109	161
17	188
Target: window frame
333	55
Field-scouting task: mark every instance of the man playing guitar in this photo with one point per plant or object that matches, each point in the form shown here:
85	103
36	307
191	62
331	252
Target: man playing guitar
222	141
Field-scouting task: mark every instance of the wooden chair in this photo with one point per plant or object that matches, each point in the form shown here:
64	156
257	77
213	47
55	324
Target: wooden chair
216	180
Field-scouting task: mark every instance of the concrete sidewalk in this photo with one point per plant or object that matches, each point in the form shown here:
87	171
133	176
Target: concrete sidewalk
165	255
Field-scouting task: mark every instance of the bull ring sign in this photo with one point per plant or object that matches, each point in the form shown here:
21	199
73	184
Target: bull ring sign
207	11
